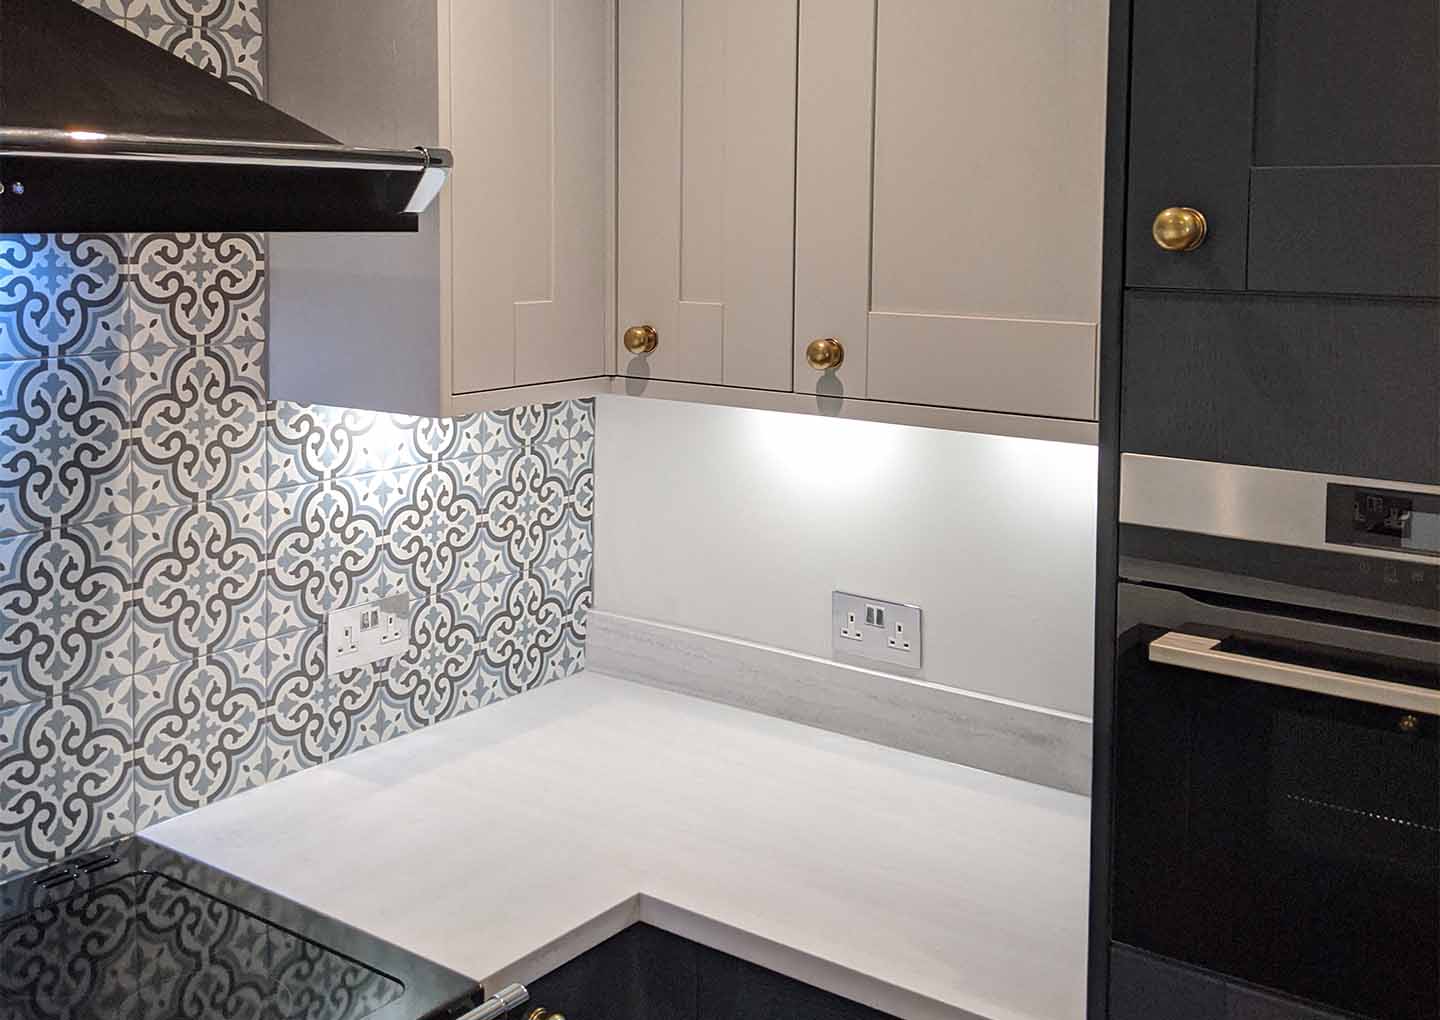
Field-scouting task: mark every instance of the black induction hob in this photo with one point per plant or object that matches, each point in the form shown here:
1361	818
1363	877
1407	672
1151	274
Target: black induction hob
135	931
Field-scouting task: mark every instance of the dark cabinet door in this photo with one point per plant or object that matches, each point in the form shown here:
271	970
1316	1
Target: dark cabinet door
1306	131
1303	332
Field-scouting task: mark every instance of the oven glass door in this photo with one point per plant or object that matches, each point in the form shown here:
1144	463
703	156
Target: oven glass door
1280	836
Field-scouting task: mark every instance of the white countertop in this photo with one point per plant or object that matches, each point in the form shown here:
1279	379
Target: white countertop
511	839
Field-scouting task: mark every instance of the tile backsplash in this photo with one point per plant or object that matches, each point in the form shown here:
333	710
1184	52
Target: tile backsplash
170	540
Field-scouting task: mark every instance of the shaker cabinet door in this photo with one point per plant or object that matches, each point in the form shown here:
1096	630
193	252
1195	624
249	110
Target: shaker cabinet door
526	101
1307	133
950	173
706	196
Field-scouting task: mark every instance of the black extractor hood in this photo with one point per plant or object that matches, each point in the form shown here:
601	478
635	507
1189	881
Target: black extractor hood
100	131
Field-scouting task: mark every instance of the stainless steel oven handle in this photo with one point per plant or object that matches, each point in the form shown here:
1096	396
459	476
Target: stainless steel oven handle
1191	651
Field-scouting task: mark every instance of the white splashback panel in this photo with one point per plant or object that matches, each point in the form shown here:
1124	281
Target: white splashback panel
741	523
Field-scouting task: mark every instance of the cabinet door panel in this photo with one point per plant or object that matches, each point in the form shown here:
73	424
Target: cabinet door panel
1307	383
979	199
1192	108
1018	365
527	292
1308	126
1345	230
706	188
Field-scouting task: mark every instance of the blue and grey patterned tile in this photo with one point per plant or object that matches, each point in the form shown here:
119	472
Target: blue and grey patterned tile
312	443
60	295
112	10
64	457
443	663
189	289
65	774
199	423
202	732
326	552
489	432
568	442
564	566
401	503
460	556
200	579
225	37
65	615
521	633
318	716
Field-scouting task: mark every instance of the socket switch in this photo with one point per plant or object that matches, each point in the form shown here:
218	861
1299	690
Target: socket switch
360	635
870	628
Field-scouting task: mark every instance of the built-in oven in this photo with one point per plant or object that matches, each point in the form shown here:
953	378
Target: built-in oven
1276	746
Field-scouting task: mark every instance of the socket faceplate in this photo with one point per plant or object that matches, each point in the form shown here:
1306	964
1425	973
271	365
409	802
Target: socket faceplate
359	635
870	628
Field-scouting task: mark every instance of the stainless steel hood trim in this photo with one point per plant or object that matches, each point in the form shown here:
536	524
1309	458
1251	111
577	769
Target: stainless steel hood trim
1240	501
131	147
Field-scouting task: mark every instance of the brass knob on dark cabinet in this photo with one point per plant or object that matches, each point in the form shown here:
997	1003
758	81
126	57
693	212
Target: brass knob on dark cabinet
641	339
824	355
1179	228
541	1013
1409	723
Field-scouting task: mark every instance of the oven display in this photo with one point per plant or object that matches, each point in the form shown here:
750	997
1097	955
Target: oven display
1383	519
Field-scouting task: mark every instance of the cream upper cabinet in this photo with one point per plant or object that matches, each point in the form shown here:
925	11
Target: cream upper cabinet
501	298
706	189
523	220
919	181
949	182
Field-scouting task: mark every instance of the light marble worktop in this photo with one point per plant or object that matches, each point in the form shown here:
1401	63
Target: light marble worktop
509	840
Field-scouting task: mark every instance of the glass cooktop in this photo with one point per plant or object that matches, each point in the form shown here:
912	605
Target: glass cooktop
137	932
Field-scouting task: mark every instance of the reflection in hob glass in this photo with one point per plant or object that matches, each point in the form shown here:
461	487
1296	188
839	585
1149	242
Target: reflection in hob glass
146	947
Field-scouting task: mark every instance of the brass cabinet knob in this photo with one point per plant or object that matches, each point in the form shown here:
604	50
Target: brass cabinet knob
1409	723
641	339
541	1013
1179	228
823	355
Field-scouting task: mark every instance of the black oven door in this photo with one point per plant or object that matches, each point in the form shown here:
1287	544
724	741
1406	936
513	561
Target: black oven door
1278	814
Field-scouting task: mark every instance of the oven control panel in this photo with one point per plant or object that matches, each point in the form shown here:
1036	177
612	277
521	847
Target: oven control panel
1374	518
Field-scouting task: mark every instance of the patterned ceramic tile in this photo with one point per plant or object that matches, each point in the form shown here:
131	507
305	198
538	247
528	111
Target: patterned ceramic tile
65	774
329	547
65	617
63	454
170	541
222	36
522	634
200	580
317	716
454	529
520	508
190	289
442	665
199	423
310	443
569	439
60	295
114	10
202	732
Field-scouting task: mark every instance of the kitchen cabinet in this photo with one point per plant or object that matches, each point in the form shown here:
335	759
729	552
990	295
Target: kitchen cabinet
1282	253
501	297
947	192
949	175
883	209
706	210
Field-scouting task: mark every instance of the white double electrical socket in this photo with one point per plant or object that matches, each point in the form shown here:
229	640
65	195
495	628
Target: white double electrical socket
870	628
359	635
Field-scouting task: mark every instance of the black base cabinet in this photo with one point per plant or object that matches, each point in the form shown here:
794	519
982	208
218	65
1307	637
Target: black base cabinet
1144	986
644	973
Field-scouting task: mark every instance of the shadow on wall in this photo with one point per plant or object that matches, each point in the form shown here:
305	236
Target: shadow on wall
170	540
